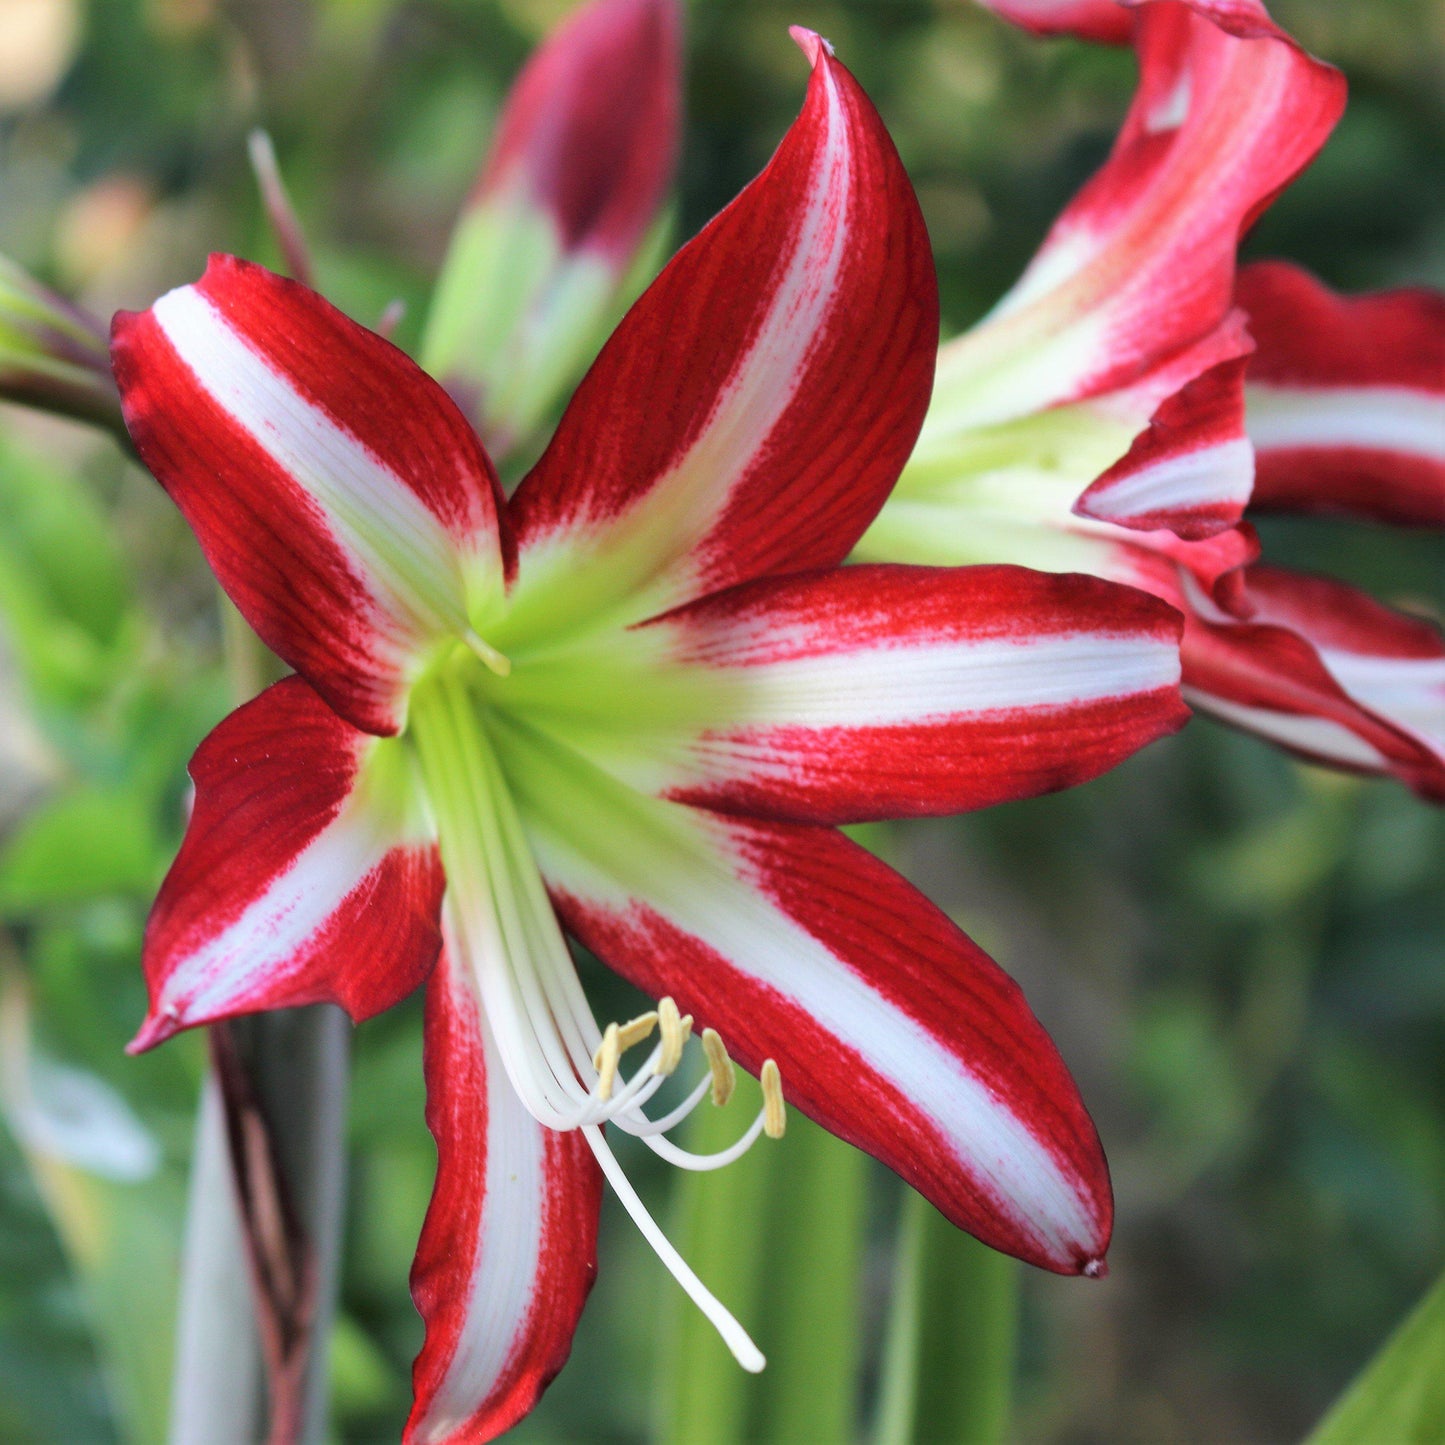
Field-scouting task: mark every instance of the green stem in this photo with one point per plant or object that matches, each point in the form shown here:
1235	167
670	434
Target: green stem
814	1311
719	1222
953	1337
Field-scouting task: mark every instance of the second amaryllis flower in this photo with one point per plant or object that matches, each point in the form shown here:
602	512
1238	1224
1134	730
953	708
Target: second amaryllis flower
631	703
1106	416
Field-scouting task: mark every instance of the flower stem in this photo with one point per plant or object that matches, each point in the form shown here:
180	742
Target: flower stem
217	1397
263	1235
949	1355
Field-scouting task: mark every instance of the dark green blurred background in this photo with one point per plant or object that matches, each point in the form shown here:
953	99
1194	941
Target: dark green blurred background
1241	959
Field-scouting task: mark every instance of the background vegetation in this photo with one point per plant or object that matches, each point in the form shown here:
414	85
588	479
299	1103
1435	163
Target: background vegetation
1240	958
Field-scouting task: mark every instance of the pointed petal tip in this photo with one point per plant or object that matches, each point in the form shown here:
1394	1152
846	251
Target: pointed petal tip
157	1028
813	45
1097	1268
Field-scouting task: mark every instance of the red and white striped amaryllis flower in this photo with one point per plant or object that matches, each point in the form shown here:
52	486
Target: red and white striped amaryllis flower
1096	419
632	702
1346	413
565	212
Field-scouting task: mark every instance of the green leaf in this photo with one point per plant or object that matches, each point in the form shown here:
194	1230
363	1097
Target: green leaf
83	844
1400	1396
952	1340
54	525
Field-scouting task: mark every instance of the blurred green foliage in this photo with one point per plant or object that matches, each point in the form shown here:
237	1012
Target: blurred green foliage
1240	958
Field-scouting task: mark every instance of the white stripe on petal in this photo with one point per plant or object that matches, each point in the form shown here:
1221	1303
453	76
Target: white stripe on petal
394	544
881	686
1373	418
506	1264
1408	691
270	937
1316	735
1208	477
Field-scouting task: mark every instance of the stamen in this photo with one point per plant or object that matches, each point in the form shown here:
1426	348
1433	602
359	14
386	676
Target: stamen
496	661
724	1077
675	1032
775	1118
664	1148
606	1059
635	1030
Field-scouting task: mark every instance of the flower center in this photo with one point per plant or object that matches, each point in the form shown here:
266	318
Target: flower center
567	1071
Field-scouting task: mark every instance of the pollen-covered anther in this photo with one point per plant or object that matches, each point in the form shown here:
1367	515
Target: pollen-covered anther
606	1059
634	1031
724	1076
775	1116
495	661
675	1030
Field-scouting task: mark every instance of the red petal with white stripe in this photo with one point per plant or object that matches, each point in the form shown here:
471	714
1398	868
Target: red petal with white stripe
1346	397
1142	263
307	874
755	407
1327	672
891	1028
590	129
508	1251
876	692
340	497
1191	470
1103	20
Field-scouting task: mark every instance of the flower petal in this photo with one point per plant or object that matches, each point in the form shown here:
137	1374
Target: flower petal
1346	398
307	874
1191	470
508	1251
873	692
754	408
584	153
1141	264
1102	20
1325	671
339	496
890	1027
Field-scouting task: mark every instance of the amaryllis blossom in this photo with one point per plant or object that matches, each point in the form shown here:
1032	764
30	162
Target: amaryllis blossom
630	703
542	260
1095	420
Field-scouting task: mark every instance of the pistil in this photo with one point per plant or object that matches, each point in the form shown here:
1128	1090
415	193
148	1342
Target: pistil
497	662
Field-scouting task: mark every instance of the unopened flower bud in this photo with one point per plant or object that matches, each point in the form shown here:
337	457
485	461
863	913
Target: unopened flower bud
53	355
563	218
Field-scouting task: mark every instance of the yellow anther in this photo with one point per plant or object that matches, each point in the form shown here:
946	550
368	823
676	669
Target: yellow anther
674	1031
724	1077
635	1030
775	1117
609	1051
498	662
